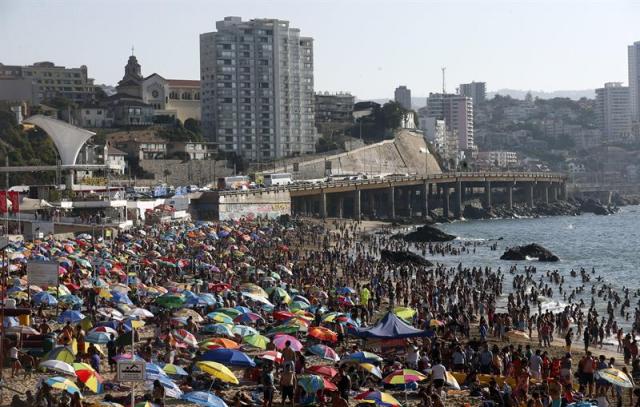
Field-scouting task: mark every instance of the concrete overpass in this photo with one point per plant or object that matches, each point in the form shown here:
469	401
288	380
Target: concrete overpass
412	196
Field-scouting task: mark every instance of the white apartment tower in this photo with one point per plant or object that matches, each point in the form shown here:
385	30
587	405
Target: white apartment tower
402	95
257	88
457	113
612	111
634	81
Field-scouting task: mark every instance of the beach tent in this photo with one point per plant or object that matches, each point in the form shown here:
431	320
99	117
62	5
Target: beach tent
390	327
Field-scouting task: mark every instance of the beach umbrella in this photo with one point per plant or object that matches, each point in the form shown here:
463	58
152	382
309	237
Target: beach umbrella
185	336
284	329
346	291
229	357
62	353
71	299
58	366
140	313
203	398
106	404
281	294
220	317
61	383
271	355
362	357
189	313
249	317
44	298
126	356
257	298
218	329
283	315
232	312
281	341
174	370
323	370
325	352
170	388
379	398
244	330
372	369
257	341
89	377
311	383
105	329
615	377
404	376
452	382
154	371
22	330
215	343
98	337
71	316
323	334
171	301
217	370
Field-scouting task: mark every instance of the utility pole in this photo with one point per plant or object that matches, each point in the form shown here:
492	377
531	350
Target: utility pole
444	88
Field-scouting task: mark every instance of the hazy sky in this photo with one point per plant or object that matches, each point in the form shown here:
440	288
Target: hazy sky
367	47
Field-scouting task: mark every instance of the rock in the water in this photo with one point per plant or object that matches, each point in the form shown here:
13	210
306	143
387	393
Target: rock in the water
428	233
404	257
596	207
531	251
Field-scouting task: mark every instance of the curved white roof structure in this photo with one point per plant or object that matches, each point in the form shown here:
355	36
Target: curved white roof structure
68	139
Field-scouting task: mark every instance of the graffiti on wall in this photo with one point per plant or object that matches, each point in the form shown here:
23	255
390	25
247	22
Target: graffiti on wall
232	211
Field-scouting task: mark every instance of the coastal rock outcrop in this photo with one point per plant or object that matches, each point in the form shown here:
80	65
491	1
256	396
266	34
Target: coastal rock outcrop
596	207
404	257
530	251
428	233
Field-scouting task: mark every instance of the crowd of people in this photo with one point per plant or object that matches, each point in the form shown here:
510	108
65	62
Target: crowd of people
483	343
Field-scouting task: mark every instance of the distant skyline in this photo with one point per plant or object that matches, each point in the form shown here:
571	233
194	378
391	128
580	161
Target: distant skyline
366	47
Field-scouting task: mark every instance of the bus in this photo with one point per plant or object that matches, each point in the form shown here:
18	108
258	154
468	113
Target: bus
272	180
234	182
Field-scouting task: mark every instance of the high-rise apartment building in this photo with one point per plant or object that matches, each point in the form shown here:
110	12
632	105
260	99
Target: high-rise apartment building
257	88
334	112
402	95
52	81
457	113
612	111
475	90
634	81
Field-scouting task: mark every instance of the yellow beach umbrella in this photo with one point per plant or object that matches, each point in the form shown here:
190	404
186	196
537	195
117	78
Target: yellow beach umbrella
218	371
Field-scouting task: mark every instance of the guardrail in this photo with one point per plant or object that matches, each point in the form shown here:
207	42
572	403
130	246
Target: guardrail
453	176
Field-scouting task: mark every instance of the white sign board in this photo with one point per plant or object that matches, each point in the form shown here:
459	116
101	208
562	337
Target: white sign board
131	371
42	273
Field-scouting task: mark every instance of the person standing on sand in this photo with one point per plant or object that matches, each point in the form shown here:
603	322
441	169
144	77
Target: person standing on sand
568	339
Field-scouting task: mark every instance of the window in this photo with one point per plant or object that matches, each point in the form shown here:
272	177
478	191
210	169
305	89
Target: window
173	95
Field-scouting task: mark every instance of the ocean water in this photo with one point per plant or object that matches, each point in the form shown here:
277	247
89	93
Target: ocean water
610	244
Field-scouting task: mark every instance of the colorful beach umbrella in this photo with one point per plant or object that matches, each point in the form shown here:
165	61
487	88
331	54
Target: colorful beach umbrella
62	353
89	377
379	398
615	377
218	370
404	376
323	334
61	383
257	341
281	342
325	352
174	370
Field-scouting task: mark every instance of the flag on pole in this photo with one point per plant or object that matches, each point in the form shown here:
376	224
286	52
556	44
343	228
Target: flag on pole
3	201
14	198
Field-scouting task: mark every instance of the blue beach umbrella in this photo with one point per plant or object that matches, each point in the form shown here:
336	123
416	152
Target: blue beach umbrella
228	357
70	316
203	398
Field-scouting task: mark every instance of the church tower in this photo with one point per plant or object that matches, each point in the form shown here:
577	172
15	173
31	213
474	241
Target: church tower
131	83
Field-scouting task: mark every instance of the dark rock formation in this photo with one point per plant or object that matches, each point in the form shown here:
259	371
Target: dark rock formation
529	251
404	257
596	207
428	233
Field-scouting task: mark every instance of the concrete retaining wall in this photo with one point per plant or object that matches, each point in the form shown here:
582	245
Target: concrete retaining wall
200	172
271	204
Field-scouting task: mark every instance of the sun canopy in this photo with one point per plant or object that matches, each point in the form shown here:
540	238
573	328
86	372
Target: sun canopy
390	327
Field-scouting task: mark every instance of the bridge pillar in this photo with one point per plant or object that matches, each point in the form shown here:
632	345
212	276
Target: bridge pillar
529	190
427	190
304	205
356	205
458	207
445	201
411	196
487	194
554	192
372	204
546	193
563	191
323	205
392	202
341	206
510	196
69	180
